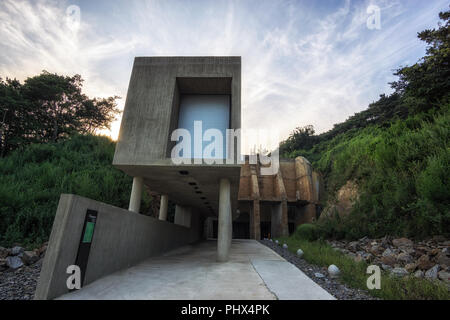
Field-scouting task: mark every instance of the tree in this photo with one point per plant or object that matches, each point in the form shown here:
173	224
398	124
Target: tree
426	84
48	107
302	138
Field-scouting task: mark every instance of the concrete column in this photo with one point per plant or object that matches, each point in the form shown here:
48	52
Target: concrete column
136	194
183	216
279	220
163	207
255	221
224	232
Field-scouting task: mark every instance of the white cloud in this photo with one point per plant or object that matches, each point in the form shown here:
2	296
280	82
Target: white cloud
300	65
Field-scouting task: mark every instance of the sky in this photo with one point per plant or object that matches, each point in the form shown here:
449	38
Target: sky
303	62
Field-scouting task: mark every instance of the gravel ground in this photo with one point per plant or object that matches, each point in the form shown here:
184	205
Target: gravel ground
19	284
333	286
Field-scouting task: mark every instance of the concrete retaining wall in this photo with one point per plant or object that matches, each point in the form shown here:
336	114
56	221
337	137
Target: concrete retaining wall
121	239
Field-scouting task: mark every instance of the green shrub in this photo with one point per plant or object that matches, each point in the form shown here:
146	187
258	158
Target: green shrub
307	231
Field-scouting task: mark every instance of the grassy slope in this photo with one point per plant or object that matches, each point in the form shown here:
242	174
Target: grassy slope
33	178
402	171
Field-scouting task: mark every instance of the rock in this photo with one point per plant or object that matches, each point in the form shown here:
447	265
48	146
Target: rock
15	251
402	243
285	246
30	257
410	267
43	249
14	262
418	274
300	253
387	252
405	258
443	259
4	252
318	275
386	267
432	273
333	271
424	262
389	260
354	246
444	276
276	241
399	272
3	264
435	251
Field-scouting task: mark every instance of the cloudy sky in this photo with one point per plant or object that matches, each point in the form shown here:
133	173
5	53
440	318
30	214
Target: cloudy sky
303	62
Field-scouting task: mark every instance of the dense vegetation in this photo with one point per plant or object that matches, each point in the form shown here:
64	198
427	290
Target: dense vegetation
397	151
34	177
48	107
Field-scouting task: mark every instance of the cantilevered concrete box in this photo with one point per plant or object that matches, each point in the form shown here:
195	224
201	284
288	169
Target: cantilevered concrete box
152	106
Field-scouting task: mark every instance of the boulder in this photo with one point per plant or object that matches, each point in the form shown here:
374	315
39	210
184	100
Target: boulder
402	243
14	262
405	258
30	257
43	249
285	246
418	274
300	253
15	251
432	273
3	264
424	262
443	259
410	267
399	272
387	252
4	252
444	276
389	260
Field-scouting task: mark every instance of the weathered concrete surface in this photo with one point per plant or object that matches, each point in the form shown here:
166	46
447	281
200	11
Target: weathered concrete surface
192	273
121	239
151	115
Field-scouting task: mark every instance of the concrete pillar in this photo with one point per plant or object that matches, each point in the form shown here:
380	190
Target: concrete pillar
136	194
224	232
279	220
183	216
255	221
163	207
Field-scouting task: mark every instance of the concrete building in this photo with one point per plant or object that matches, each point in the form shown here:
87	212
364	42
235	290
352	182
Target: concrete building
170	101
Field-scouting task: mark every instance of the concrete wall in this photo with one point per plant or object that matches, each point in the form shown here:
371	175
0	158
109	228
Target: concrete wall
151	110
121	239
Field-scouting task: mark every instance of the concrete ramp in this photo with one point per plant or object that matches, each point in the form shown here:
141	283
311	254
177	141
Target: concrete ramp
287	282
253	272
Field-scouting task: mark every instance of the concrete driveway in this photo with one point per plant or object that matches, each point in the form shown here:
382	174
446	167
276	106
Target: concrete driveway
254	271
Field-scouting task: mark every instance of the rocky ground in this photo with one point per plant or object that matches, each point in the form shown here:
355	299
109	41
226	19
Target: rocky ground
19	271
402	257
320	276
